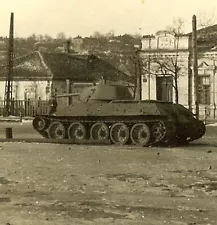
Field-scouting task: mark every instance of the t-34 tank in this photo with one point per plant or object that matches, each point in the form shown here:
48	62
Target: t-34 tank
109	112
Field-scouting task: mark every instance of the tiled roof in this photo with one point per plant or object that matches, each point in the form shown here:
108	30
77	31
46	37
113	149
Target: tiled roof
27	67
81	67
207	36
61	66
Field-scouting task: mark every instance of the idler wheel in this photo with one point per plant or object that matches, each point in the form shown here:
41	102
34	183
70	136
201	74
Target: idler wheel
56	130
39	124
201	129
140	134
99	131
119	133
77	131
158	131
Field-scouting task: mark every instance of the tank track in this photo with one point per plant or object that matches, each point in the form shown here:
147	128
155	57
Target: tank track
124	131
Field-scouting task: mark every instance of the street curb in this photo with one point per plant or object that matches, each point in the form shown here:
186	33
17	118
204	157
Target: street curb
15	120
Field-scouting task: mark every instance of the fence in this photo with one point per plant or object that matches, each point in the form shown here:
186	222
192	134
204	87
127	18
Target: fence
27	108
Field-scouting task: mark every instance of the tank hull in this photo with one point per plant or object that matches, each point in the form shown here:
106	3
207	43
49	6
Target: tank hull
143	123
107	112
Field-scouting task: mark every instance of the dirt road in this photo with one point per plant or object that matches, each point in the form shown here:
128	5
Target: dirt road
69	184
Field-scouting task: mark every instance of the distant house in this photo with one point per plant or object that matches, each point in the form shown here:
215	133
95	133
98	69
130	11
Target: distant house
91	43
77	44
39	74
124	42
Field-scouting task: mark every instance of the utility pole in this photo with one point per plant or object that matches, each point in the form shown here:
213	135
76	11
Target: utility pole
195	64
8	82
149	68
189	83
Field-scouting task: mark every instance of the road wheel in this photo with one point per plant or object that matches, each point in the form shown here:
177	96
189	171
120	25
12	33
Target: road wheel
39	124
56	130
140	134
119	133
99	131
77	131
158	131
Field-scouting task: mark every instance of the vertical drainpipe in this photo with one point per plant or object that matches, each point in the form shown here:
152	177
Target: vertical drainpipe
214	105
189	82
195	64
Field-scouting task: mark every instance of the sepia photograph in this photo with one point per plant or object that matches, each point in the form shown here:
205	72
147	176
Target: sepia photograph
108	112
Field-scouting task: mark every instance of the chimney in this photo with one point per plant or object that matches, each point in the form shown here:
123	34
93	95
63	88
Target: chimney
68	44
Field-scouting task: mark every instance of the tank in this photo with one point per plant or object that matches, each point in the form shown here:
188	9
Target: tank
109	112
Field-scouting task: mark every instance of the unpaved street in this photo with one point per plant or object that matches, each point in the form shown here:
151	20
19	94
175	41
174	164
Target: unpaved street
75	184
20	130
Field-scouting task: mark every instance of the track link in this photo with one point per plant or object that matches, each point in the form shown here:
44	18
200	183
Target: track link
142	131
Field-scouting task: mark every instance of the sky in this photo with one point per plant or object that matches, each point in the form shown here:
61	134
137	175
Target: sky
84	17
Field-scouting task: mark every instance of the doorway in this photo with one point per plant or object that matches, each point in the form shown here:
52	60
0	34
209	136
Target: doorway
164	88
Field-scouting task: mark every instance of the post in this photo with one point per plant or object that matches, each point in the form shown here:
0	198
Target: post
21	117
149	72
36	99
8	133
189	84
139	78
68	90
195	64
68	43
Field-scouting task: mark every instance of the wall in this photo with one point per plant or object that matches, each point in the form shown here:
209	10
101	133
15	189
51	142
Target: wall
207	64
26	89
163	46
182	80
164	40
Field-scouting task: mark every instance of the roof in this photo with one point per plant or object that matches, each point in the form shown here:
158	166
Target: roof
207	36
28	67
62	66
208	29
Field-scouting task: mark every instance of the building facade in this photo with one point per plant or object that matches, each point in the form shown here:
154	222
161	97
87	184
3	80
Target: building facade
167	72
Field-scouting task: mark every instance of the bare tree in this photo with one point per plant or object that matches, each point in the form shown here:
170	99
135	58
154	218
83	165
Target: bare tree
137	36
47	38
110	34
136	73
168	66
177	26
205	20
97	34
61	36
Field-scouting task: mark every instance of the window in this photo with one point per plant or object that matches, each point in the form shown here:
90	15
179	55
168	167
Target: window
47	90
204	90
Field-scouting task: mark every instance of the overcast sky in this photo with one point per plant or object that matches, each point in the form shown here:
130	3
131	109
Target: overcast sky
83	17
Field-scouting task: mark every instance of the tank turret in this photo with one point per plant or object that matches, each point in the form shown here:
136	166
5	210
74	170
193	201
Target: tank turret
105	93
109	112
